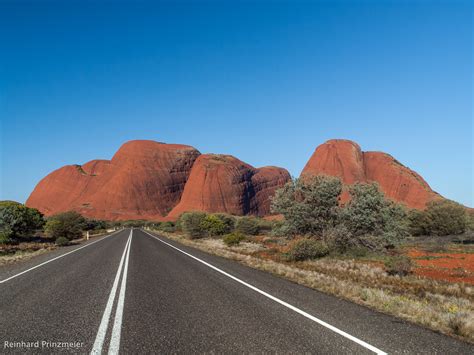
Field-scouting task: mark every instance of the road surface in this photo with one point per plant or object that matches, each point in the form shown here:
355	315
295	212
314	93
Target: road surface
132	292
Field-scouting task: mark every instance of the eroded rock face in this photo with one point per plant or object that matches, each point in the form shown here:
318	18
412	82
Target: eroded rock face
223	183
337	157
147	179
144	180
345	159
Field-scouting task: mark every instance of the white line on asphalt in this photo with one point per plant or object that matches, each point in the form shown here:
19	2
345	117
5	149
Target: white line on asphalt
283	303
58	257
114	346
104	323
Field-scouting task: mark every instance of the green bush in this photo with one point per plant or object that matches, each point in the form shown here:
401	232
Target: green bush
69	225
445	218
265	226
309	205
305	249
233	238
190	223
18	221
247	225
418	223
167	226
62	241
5	237
399	265
212	226
371	220
228	220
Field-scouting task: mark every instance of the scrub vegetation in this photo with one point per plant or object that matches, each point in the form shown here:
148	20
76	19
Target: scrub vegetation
369	250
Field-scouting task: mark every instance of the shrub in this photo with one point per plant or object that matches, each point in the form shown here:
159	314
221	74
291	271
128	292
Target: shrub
309	205
247	225
233	238
95	224
69	225
167	226
445	218
5	237
399	265
62	241
17	220
418	223
371	220
212	226
307	249
190	222
228	220
265	226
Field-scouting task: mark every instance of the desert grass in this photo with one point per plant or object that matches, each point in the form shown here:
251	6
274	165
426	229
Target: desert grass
23	251
441	306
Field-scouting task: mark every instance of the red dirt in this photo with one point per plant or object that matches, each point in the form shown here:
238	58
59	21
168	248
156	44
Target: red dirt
345	159
451	267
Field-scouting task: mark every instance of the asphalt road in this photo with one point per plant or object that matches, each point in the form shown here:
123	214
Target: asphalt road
135	293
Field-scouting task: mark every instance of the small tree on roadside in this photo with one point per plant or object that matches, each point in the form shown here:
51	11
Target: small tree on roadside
18	221
444	217
190	223
371	220
309	205
69	225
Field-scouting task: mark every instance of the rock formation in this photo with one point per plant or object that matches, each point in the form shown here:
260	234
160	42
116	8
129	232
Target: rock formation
223	183
344	158
147	179
144	180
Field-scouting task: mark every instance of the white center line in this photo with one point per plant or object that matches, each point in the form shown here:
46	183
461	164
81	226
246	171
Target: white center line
283	303
104	323
117	329
56	258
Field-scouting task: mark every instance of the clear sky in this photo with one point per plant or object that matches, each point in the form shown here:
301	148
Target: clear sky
265	81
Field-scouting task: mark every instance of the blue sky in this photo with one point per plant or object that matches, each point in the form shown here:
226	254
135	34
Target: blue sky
265	81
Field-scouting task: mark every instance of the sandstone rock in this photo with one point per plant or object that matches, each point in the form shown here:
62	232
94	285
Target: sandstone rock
345	159
144	180
223	183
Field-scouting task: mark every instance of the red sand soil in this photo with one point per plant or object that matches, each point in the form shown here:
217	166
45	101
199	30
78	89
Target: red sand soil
451	267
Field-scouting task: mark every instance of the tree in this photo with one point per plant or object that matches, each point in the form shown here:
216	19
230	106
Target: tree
18	221
69	225
309	205
444	217
372	220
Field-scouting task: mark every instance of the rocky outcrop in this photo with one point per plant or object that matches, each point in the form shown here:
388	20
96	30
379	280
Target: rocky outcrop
223	183
346	160
147	179
144	180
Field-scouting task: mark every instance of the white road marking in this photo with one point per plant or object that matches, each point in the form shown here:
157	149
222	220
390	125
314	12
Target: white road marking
104	323
283	303
114	346
56	258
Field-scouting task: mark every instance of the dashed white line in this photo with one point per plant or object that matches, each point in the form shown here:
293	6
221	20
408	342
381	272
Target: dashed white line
283	303
56	258
104	323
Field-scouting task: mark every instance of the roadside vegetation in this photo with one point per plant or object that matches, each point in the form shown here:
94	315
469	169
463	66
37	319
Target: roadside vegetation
25	232
417	265
369	249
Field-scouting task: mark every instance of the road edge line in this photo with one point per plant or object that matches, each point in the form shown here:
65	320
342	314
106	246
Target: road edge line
56	258
283	303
